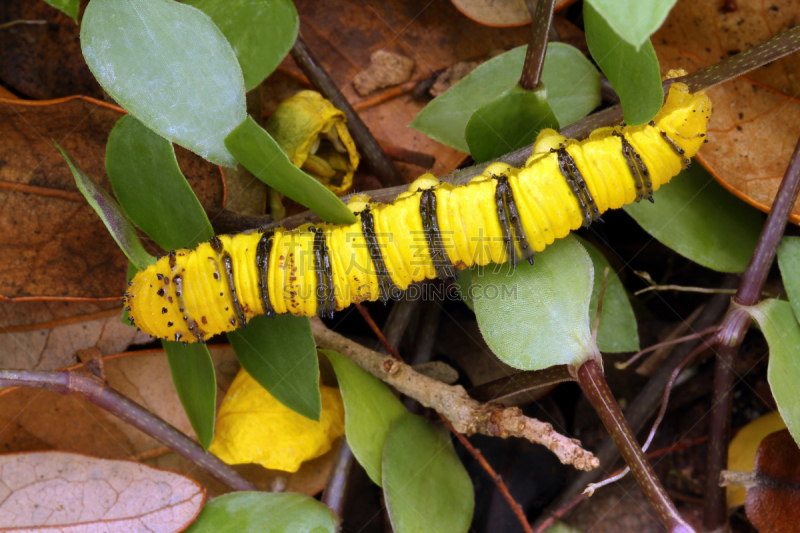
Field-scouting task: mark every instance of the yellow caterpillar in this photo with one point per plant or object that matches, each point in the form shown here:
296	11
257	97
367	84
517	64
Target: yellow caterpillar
433	230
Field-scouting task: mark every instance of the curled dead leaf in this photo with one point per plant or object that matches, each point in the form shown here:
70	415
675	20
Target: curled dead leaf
68	492
500	13
773	504
254	427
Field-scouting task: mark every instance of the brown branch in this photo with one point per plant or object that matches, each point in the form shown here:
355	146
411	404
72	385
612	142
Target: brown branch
465	414
37	103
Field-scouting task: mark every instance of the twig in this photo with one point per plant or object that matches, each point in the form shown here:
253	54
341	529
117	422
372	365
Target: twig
378	333
38	103
59	298
734	326
596	325
99	393
622	365
643	406
467	415
376	158
594	386
494	475
506	387
537	45
20	21
334	495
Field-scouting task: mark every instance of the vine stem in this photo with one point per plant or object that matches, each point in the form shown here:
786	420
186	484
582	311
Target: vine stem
380	163
537	45
594	386
99	393
729	338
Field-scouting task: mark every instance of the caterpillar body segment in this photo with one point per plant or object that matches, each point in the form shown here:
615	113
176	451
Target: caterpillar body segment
432	230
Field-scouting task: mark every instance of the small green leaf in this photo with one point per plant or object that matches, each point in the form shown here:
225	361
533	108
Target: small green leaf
261	32
112	215
261	155
573	90
633	20
68	7
560	527
370	409
171	67
618	330
700	220
633	73
779	326
196	383
425	485
262	512
147	181
280	354
538	316
508	122
789	263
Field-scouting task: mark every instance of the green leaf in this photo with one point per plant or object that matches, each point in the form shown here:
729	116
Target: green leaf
425	485
508	122
572	82
261	155
789	263
633	73
68	7
261	32
618	330
700	220
779	326
538	316
171	67
147	181
560	527
633	20
261	512
280	354
370	409
112	215
196	383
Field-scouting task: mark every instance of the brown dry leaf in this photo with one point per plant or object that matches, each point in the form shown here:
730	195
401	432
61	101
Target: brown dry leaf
53	345
743	447
18	314
385	70
59	246
35	420
500	13
43	61
754	126
773	506
67	492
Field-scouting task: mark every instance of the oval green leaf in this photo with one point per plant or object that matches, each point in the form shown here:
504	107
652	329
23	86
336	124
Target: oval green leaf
779	326
700	220
789	263
573	90
633	73
633	20
425	485
196	383
538	316
508	122
261	512
370	410
464	287
618	331
280	354
261	32
111	214
261	155
171	67
149	184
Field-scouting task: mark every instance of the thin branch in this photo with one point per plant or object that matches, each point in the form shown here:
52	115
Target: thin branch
734	326
622	365
467	415
99	393
38	103
376	158
596	325
594	386
521	382
336	487
20	21
537	45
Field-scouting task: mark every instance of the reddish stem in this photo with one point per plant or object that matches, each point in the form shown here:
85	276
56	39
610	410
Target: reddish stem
594	386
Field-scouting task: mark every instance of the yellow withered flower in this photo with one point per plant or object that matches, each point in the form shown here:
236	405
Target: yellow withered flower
314	135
